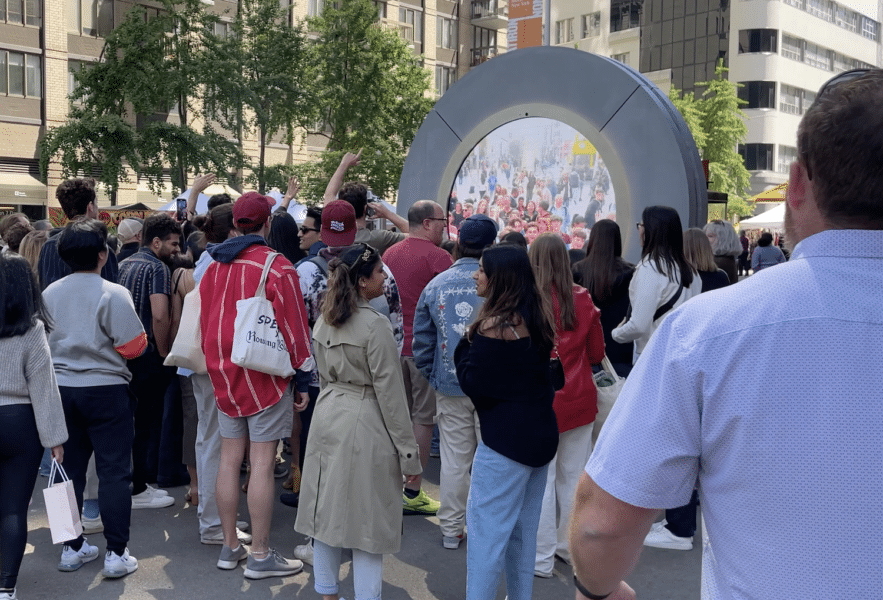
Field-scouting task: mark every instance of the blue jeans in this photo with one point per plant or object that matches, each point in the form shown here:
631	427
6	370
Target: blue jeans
502	515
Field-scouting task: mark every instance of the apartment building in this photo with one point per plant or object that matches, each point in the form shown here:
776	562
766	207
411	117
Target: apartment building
782	51
43	41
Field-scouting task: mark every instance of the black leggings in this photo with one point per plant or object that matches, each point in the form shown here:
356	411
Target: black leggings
20	454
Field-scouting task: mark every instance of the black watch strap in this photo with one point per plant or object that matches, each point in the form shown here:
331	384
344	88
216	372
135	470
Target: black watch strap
582	590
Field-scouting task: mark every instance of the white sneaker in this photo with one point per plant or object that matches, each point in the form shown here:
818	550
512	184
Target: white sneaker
149	499
156	491
8	595
660	537
71	559
304	553
116	566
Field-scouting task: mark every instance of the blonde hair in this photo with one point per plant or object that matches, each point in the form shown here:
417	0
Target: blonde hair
697	250
31	245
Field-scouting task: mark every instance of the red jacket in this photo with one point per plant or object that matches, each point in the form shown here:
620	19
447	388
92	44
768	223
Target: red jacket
242	392
576	404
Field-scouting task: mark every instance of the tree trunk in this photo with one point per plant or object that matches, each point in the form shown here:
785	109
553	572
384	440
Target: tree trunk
261	182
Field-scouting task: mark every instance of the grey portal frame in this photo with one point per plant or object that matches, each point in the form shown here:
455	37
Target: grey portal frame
647	147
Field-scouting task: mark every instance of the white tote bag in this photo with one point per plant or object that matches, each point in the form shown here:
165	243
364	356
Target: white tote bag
187	348
61	507
609	384
257	343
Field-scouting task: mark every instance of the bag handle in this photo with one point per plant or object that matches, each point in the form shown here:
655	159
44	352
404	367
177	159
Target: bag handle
56	467
263	283
608	366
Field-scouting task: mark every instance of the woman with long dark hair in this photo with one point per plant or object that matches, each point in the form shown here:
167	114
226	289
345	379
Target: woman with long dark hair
284	238
663	278
607	277
361	438
579	345
503	366
30	409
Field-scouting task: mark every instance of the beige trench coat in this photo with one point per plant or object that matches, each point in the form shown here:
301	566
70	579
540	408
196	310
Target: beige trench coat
361	440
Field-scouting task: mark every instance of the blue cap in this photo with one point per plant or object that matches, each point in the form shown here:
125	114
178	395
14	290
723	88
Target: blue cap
478	231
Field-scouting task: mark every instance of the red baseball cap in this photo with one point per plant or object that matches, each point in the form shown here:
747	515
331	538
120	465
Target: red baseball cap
338	224
252	208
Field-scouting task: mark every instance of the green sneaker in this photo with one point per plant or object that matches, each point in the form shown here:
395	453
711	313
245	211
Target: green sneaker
421	505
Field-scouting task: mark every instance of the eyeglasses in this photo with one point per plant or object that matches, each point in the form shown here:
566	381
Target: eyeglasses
640	226
436	219
304	229
829	85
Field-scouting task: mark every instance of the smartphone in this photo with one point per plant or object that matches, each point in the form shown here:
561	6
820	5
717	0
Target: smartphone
370	212
181	213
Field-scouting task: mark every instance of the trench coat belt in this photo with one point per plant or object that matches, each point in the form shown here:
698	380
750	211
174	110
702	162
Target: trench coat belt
365	391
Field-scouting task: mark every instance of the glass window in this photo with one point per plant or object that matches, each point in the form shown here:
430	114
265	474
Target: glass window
3	67
758	157
787	155
16	73
14	11
33	10
757	40
33	76
625	14
415	20
381	9
758	94
444	78
817	56
789	99
820	8
870	28
791	48
846	19
446	33
564	31
623	58
591	25
314	7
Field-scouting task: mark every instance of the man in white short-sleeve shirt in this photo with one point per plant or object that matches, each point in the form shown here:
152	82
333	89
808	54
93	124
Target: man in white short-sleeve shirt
769	393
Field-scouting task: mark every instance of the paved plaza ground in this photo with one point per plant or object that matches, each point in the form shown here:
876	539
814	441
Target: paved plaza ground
174	565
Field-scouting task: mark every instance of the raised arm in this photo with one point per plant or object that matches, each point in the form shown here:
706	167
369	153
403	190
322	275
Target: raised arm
199	186
290	193
349	160
394	218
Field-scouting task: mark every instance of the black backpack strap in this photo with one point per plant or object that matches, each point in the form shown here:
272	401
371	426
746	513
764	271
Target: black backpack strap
668	305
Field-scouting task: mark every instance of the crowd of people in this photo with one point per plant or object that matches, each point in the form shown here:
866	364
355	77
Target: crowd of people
386	335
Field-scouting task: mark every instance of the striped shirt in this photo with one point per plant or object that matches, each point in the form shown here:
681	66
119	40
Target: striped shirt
145	275
243	392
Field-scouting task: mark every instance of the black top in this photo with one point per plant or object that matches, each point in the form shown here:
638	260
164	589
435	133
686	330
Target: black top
509	384
613	311
127	250
728	264
51	268
714	280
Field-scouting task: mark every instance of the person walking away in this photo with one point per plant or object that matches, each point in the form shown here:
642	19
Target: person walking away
766	255
445	310
89	355
361	439
503	366
30	409
579	343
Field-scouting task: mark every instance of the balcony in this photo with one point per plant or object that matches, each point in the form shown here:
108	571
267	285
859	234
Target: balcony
480	55
492	14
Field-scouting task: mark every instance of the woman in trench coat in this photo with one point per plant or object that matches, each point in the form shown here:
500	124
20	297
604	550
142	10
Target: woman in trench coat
361	443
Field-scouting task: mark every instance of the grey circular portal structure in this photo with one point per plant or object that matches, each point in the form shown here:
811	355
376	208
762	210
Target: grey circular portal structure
646	146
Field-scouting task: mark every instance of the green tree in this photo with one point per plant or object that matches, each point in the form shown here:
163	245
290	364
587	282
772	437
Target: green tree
261	86
724	125
372	92
691	111
148	69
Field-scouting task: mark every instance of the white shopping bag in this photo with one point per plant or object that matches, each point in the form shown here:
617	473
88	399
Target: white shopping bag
609	384
257	343
61	507
186	349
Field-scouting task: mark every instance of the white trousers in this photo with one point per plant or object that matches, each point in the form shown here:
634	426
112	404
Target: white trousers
208	453
459	435
367	571
574	449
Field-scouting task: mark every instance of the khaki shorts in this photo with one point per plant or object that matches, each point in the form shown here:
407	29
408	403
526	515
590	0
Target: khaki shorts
273	423
421	396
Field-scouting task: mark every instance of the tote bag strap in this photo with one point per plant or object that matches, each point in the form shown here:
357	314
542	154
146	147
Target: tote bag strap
608	366
263	283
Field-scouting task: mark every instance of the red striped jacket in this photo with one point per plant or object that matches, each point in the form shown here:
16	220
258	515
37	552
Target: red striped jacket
243	392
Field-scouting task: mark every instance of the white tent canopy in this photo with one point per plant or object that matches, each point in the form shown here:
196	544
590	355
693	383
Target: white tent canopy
771	219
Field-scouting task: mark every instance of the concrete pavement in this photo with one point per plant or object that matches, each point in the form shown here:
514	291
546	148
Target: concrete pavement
174	565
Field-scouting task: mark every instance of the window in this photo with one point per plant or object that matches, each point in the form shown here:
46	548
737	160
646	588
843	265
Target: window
816	56
314	7
21	74
91	17
757	40
381	9
414	19
564	31
846	19
758	157
821	8
484	45
223	29
625	14
843	63
870	28
591	25
787	155
73	66
446	33
791	48
758	94
623	58
18	12
444	78
797	3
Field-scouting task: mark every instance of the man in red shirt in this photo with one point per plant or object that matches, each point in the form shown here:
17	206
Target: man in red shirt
414	262
252	405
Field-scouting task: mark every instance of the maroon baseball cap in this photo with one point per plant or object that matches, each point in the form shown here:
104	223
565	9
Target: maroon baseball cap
252	208
338	224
